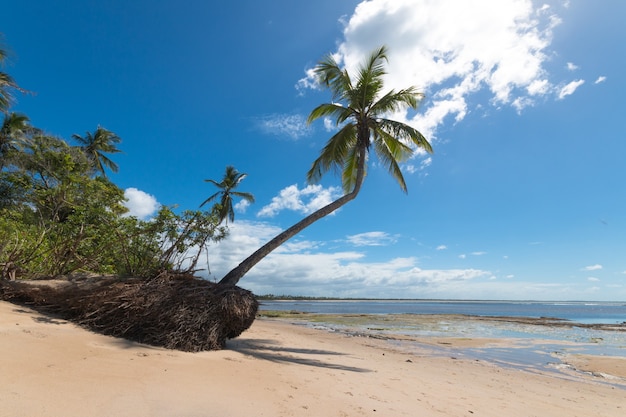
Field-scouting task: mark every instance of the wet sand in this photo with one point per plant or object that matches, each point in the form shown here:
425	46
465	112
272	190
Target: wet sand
50	367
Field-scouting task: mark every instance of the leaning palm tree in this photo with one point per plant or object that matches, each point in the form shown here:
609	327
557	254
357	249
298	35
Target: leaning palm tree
227	186
359	112
95	145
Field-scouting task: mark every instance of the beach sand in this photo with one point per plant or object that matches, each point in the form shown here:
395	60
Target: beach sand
50	367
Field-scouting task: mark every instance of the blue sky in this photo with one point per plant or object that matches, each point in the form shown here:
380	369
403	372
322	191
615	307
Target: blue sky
523	198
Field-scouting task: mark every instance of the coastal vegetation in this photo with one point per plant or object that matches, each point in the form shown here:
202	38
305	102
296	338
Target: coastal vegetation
61	215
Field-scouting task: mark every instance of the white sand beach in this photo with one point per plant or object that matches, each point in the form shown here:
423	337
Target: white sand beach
52	368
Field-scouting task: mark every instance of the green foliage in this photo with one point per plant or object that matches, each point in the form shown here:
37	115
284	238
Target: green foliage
58	217
169	241
7	85
360	109
21	245
95	145
231	180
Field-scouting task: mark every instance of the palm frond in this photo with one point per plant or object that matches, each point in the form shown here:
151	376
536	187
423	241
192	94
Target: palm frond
370	79
390	151
211	198
246	196
396	148
334	153
217	184
324	110
406	133
330	75
6	85
394	101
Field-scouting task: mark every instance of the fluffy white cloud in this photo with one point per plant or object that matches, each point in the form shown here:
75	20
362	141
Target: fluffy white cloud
311	268
371	239
600	79
452	50
304	201
242	206
139	203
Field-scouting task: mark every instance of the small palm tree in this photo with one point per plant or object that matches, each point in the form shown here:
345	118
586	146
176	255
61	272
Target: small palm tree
231	180
96	144
360	114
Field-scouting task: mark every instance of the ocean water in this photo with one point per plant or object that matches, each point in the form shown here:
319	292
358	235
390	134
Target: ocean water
576	311
533	347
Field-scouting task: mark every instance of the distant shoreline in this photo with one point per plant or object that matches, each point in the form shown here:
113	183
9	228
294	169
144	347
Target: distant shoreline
271	297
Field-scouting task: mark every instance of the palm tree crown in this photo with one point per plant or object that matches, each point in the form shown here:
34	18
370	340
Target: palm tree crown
362	125
96	144
227	186
359	112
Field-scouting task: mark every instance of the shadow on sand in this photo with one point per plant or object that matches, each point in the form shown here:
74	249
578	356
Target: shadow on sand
270	350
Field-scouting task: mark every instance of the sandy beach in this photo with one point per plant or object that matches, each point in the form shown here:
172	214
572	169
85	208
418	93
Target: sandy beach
51	367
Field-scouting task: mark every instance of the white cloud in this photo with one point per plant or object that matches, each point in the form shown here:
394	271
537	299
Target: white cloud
310	268
292	126
571	66
371	239
600	79
304	201
242	206
441	247
452	49
329	125
424	163
570	88
595	267
302	267
479	253
538	87
140	204
593	279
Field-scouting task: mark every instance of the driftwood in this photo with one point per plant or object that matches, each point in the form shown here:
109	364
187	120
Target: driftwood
173	311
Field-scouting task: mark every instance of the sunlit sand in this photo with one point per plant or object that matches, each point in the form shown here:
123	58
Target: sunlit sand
51	367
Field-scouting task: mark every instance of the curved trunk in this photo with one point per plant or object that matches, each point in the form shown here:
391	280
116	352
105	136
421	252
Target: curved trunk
233	277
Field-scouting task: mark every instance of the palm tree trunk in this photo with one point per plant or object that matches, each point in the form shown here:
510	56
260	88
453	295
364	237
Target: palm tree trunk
233	277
